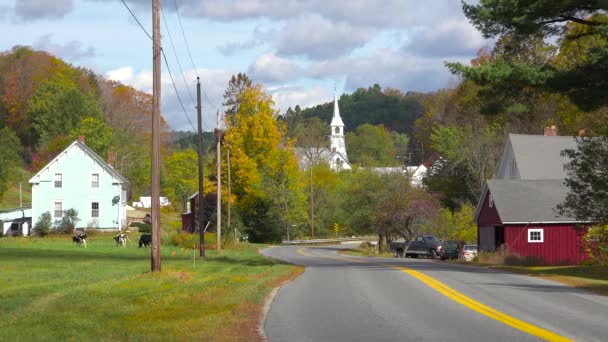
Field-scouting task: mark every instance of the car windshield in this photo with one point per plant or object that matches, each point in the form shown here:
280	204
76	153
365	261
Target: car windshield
470	248
432	239
451	245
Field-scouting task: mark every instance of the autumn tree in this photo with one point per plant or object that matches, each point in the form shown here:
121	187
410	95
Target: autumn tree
265	174
371	145
182	176
236	88
98	136
9	157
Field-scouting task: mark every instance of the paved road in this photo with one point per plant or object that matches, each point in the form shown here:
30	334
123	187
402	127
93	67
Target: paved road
347	298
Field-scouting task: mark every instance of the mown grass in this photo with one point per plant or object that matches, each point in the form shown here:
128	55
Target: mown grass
52	290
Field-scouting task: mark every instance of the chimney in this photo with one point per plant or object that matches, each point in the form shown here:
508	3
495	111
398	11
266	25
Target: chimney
581	133
81	138
550	131
111	157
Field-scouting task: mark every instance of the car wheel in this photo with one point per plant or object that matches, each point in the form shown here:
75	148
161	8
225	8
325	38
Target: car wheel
442	258
432	254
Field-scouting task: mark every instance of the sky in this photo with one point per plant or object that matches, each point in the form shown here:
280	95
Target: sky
298	49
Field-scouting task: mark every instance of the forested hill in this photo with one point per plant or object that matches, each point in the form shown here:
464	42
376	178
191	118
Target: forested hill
374	105
46	103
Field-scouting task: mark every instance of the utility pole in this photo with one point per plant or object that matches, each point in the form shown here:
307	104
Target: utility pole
230	196
20	196
201	223
218	137
155	137
312	205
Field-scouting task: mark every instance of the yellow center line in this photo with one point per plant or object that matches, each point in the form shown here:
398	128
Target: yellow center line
462	299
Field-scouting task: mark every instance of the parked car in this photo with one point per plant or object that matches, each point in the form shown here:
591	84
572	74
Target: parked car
451	249
422	245
468	252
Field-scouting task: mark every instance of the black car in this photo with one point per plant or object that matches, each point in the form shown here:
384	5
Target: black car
451	248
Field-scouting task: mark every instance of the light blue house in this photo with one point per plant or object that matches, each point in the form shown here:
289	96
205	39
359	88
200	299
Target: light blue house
78	178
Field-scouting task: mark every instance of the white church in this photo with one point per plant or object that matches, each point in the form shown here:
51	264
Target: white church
335	156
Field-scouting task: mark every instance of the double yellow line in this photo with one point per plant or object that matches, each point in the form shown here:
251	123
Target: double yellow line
464	300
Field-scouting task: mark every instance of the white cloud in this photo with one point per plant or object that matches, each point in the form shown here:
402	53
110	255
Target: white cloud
72	50
268	68
35	9
290	96
317	37
450	38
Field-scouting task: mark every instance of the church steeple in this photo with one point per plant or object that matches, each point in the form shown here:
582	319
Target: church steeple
337	138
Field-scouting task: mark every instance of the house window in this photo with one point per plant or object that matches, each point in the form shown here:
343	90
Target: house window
58	212
58	180
536	235
95	180
95	209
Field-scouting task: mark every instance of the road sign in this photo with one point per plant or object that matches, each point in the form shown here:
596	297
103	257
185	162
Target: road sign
336	228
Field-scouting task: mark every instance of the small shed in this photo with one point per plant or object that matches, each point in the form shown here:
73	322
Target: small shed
520	216
17	221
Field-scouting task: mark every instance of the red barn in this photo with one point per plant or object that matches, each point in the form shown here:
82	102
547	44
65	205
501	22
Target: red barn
517	210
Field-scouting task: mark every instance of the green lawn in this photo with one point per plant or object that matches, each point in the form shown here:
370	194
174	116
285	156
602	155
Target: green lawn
53	290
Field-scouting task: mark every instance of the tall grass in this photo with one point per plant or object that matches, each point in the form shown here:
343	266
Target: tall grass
53	290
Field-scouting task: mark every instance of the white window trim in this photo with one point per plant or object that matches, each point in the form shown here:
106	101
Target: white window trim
534	230
98	180
62	209
98	209
55	180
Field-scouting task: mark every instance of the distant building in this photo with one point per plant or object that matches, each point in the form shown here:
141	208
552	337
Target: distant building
516	210
16	222
146	202
78	178
335	156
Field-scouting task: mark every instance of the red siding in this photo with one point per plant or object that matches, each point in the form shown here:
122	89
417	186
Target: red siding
563	244
188	222
488	216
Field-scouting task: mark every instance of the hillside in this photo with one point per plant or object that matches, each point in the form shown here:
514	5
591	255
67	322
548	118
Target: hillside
11	196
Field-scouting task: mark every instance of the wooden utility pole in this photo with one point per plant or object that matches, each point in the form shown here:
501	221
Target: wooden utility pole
155	136
312	206
229	196
199	210
218	137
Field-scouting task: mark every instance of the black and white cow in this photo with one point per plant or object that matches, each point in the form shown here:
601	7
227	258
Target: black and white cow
145	240
80	239
121	240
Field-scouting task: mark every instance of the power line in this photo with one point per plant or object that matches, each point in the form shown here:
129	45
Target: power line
137	20
175	53
176	92
185	40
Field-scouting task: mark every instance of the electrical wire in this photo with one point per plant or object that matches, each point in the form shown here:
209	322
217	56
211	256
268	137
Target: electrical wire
176	92
137	20
175	54
184	35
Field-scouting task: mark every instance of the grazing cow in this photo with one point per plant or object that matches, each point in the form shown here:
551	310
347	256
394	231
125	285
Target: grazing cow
80	239
121	239
145	240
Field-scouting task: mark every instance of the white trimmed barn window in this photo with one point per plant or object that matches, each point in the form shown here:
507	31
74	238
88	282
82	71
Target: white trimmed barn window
95	209
58	210
536	235
58	180
95	180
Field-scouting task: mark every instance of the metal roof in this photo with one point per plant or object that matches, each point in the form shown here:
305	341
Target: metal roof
528	201
539	157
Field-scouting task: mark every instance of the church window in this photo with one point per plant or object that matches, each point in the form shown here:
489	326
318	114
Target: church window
337	130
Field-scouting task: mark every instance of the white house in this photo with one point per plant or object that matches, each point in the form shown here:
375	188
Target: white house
78	178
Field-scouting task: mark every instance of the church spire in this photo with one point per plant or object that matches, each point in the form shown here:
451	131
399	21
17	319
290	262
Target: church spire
336	121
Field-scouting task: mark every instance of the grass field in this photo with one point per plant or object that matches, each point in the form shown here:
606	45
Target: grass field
52	290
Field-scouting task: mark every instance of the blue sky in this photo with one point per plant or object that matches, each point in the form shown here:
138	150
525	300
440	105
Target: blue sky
298	49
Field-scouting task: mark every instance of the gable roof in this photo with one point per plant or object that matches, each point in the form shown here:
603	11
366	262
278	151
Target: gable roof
539	157
526	201
89	152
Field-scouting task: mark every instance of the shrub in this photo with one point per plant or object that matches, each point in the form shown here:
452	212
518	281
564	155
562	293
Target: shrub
68	221
596	244
43	225
183	239
142	227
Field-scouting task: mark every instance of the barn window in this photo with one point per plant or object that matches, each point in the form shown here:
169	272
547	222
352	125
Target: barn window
536	235
95	209
58	180
490	201
58	212
95	180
